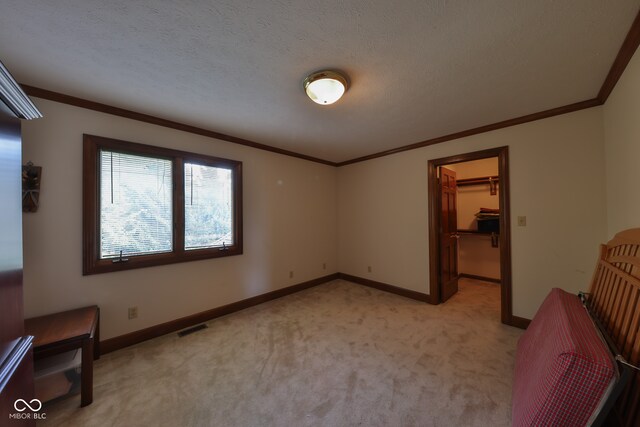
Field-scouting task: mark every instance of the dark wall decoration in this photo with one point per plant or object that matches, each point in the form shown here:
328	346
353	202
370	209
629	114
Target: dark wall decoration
31	176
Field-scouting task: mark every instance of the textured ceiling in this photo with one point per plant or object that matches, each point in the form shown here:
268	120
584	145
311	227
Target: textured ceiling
418	69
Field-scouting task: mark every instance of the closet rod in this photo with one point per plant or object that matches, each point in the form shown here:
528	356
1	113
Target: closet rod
477	181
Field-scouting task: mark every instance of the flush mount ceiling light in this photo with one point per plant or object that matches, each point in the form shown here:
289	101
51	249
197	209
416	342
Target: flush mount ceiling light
325	87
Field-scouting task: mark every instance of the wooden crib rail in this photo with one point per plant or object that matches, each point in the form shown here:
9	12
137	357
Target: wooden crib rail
614	298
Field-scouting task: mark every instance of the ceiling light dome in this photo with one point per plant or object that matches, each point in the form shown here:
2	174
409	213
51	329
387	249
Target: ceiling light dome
325	87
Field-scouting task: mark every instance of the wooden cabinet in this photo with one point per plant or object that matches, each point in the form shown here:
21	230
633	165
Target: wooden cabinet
16	358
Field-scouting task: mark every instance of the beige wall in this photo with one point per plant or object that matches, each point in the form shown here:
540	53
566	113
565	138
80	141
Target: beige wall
622	147
556	171
290	223
299	214
475	254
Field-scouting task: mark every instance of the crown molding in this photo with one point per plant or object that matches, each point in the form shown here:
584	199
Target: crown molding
146	118
628	48
482	129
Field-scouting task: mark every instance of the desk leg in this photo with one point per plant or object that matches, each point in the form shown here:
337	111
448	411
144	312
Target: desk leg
96	335
86	387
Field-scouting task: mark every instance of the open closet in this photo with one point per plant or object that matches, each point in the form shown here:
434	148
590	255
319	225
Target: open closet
478	218
469	230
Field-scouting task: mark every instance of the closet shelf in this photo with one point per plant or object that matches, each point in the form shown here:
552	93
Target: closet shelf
485	233
477	181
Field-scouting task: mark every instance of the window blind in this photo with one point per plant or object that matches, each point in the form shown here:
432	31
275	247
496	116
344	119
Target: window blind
135	204
208	206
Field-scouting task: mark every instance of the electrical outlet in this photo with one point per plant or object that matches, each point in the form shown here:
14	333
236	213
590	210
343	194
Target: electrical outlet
291	275
369	269
324	265
133	312
522	221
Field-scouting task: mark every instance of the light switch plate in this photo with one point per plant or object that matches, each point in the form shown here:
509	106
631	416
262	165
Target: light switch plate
522	221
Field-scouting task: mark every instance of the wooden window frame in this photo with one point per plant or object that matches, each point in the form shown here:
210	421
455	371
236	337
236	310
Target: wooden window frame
92	264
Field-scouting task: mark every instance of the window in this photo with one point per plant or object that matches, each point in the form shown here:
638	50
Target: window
136	206
146	205
208	206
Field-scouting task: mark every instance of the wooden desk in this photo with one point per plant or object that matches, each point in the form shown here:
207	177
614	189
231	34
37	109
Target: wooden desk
69	330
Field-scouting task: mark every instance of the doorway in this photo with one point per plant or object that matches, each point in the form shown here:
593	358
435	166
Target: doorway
444	233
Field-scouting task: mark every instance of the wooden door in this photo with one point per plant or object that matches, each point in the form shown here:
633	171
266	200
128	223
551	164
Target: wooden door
448	234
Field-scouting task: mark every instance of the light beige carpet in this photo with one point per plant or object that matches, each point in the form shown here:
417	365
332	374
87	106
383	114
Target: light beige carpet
339	354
